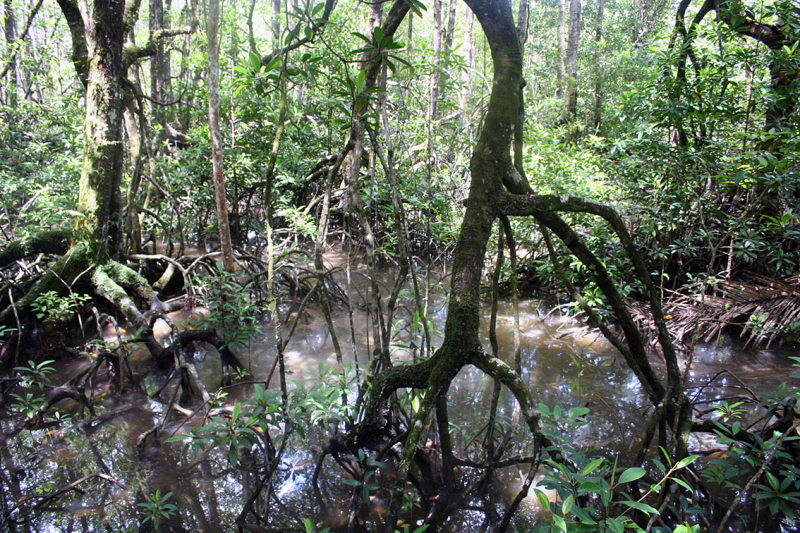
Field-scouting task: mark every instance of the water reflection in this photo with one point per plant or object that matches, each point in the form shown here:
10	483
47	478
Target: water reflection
562	363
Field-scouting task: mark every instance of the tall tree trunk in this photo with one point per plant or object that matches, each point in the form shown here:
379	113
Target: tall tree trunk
159	64
522	23
433	101
571	65
375	15
276	24
469	56
451	27
522	35
212	30
598	73
11	37
562	46
156	75
99	199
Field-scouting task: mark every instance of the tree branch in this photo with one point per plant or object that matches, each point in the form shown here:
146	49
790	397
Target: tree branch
133	53
80	52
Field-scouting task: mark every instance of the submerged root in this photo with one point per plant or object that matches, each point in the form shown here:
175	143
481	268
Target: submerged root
377	428
80	271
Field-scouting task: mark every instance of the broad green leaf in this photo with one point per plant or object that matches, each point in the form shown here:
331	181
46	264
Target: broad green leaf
616	525
255	61
566	507
640	507
686	461
575	412
591	467
360	81
542	497
363	37
632	474
590	486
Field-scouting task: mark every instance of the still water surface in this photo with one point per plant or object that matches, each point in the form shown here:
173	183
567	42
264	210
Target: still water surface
563	363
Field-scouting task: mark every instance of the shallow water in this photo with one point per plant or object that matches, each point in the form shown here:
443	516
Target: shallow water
563	364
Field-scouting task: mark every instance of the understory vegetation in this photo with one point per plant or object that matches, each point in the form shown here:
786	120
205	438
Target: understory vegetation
186	186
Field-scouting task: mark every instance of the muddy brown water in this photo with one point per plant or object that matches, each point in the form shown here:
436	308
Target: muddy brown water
563	364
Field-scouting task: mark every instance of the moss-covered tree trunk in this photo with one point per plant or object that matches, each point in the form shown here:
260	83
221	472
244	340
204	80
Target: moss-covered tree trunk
99	200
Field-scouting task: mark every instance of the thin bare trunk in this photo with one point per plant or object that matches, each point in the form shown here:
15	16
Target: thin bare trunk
11	37
451	26
469	55
522	23
212	30
375	15
571	66
598	74
276	24
562	46
437	51
251	37
157	78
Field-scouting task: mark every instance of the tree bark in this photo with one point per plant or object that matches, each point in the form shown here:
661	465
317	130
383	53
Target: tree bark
99	199
466	95
451	27
11	37
571	65
159	64
598	73
276	24
433	101
212	30
562	46
375	15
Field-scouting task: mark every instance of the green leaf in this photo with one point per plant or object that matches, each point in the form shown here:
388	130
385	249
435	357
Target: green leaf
632	474
363	37
591	467
686	461
360	81
616	525
566	507
273	64
682	483
589	486
392	45
542	497
557	412
233	456
560	523
255	61
575	412
377	33
640	507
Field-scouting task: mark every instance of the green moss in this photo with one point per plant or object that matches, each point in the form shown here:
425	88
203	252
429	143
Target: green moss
55	242
109	289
